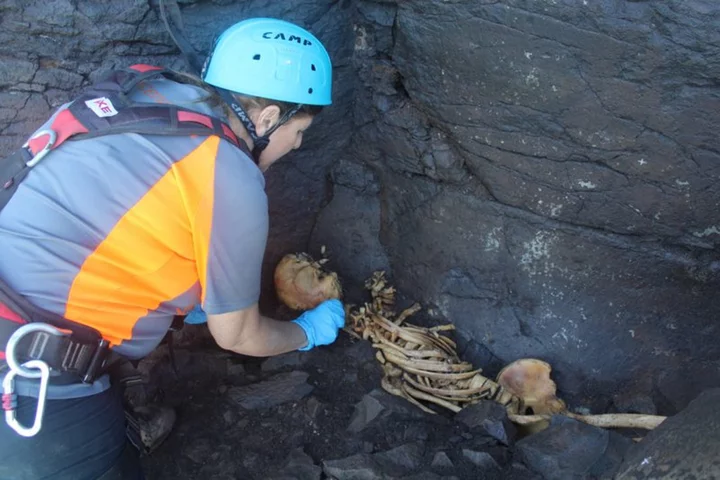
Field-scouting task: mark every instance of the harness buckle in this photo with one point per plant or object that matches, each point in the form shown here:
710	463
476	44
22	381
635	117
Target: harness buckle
44	151
97	362
9	399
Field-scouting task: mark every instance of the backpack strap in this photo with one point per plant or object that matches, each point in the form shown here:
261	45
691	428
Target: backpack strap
106	109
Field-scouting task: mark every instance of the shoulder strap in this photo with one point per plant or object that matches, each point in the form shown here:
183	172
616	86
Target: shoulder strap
105	109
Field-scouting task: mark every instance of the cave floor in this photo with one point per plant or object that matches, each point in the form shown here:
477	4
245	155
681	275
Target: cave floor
215	437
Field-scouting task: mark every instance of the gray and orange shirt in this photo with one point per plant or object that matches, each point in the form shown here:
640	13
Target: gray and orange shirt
122	232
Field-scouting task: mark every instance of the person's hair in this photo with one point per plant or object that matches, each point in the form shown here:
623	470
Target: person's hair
247	102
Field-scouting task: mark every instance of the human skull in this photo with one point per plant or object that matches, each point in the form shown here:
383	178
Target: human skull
302	283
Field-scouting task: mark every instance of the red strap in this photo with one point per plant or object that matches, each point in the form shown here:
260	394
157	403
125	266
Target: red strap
230	134
196	118
205	120
65	126
142	68
7	314
8	403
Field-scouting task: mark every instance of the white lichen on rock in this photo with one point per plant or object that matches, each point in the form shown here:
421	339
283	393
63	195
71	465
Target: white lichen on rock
708	231
536	251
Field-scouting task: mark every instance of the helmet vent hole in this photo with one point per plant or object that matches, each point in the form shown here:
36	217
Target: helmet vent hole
256	56
310	90
312	66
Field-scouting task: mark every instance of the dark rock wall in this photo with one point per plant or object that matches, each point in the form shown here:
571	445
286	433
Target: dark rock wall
546	177
541	173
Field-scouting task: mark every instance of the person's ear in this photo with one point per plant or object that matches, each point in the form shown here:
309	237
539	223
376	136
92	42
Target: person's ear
266	119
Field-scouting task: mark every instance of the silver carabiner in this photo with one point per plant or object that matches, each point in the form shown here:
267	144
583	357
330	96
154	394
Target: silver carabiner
30	369
9	400
44	151
15	338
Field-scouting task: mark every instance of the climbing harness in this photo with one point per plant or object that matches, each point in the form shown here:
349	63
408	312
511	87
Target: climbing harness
42	345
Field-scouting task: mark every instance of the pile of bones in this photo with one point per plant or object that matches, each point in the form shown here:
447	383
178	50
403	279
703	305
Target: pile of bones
421	364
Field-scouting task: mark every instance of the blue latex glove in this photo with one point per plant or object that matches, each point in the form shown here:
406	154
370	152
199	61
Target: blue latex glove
321	324
196	316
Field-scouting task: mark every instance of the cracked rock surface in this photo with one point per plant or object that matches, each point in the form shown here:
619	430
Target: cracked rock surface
542	174
682	447
547	180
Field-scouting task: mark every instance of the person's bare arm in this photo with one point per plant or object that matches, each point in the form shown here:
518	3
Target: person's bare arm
249	333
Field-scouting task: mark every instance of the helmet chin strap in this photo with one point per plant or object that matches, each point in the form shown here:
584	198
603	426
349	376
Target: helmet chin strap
260	143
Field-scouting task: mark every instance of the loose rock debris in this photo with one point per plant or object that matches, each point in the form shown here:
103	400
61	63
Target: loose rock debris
421	364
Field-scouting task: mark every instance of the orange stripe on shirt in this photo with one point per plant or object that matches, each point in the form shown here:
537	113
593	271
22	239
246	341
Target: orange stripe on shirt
156	252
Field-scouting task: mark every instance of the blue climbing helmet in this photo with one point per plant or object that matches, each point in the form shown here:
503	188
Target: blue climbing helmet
273	59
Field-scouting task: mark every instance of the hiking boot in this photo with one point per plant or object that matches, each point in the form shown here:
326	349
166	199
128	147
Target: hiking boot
148	426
